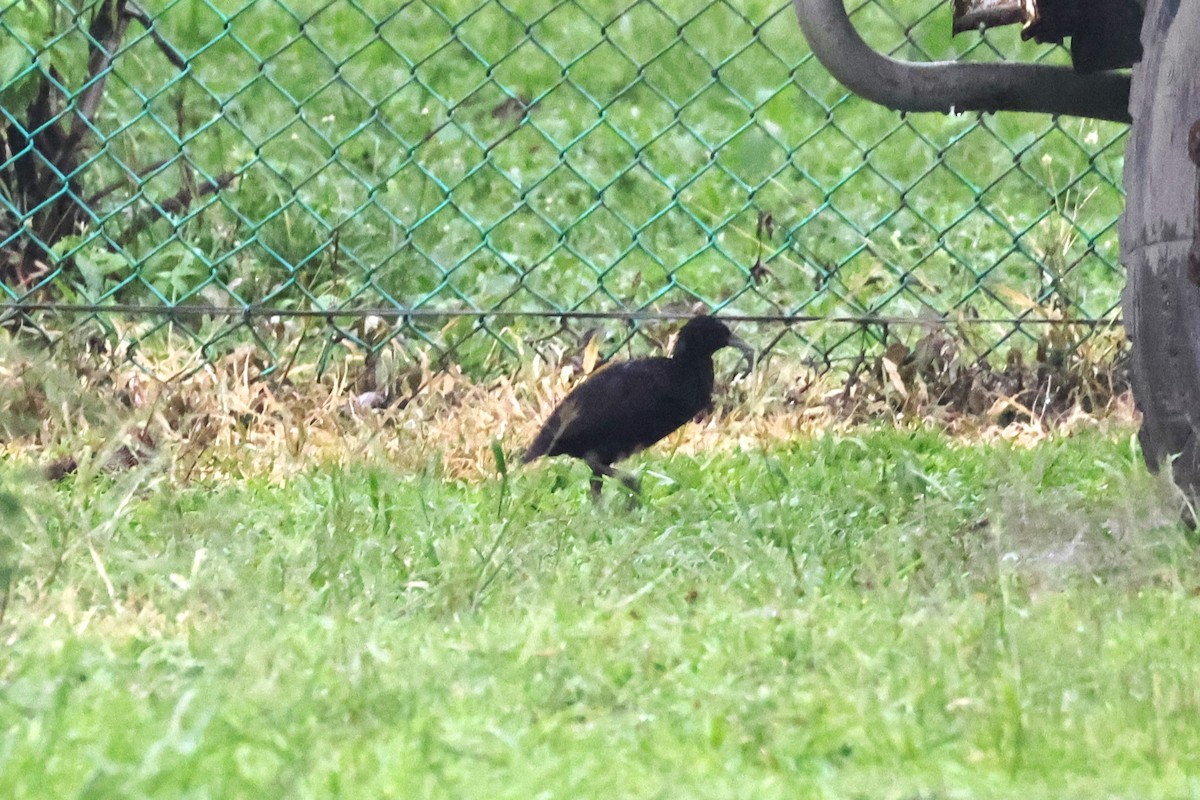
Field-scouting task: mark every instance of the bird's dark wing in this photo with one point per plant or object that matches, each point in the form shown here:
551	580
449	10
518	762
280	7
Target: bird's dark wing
618	409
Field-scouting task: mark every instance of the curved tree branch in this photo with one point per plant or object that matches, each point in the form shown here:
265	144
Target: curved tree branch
948	85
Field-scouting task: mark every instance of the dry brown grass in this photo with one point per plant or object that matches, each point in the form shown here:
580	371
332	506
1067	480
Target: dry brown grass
86	407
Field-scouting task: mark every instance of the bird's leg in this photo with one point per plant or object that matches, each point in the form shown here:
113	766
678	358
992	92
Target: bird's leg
634	486
599	469
597	482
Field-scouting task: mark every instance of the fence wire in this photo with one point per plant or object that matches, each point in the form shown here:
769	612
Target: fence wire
461	175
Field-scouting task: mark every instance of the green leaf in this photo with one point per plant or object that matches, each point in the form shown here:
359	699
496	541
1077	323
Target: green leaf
498	455
10	506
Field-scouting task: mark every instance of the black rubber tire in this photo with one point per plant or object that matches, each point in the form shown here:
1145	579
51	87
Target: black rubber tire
1161	304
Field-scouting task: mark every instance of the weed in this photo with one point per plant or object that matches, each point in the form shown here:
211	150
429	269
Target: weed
950	617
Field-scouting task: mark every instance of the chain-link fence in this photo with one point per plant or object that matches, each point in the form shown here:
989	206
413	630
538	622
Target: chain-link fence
466	176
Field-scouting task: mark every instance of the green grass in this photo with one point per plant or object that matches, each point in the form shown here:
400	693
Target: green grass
886	615
378	165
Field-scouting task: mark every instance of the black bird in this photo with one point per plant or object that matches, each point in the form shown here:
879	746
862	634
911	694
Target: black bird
625	407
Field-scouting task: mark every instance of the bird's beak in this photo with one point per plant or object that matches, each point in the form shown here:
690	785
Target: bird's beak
747	352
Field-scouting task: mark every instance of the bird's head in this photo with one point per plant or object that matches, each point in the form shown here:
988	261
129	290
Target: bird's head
703	336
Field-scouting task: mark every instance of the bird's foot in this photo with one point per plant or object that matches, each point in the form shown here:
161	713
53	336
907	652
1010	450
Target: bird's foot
634	486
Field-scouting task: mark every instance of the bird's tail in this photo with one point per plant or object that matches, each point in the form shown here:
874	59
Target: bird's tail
544	440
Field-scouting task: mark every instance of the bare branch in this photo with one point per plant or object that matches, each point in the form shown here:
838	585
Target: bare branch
168	50
176	203
93	200
104	37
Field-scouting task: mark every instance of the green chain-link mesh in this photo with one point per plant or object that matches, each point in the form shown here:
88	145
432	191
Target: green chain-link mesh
213	170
